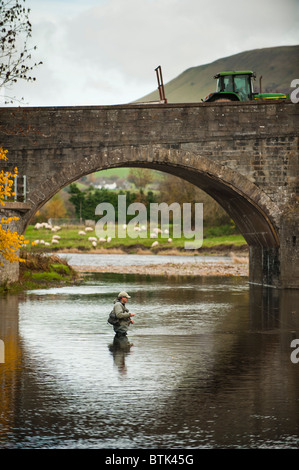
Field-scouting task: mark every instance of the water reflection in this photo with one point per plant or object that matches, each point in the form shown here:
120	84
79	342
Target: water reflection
120	348
206	364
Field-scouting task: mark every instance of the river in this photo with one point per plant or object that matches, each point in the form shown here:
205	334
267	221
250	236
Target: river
87	259
207	365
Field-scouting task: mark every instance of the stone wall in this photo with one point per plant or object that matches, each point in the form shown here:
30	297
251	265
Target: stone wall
9	272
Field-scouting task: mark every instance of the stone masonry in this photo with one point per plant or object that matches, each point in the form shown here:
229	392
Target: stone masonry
245	155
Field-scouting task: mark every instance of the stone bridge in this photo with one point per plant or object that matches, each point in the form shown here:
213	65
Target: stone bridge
245	155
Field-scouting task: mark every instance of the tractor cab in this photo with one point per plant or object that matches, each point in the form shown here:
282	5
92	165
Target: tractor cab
239	86
233	86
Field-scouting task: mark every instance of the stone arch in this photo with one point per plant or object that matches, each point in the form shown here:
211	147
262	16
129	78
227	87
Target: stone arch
251	209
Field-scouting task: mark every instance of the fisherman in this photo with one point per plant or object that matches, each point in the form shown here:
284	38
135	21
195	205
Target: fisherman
123	314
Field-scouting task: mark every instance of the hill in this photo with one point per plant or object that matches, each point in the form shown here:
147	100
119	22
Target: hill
277	65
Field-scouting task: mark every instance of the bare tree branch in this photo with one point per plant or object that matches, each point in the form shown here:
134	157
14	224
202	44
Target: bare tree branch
15	32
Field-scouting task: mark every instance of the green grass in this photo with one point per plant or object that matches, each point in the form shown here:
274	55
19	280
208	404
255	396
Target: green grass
119	172
71	240
43	276
236	240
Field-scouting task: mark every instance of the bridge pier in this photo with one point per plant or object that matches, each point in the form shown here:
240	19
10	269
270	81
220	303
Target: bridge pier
264	266
9	272
289	250
278	266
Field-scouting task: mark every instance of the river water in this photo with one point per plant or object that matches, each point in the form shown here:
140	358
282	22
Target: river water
207	364
87	259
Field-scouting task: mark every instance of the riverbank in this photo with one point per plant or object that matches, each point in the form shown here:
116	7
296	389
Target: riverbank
41	271
235	266
217	249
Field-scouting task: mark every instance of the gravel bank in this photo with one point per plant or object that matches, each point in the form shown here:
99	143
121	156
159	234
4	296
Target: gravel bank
233	268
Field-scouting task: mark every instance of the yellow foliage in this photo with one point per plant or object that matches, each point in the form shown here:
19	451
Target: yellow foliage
54	208
10	242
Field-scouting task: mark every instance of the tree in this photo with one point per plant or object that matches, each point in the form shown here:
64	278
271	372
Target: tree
77	198
54	209
10	241
86	201
174	189
140	177
15	54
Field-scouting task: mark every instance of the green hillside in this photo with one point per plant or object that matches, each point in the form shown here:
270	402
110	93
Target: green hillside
277	65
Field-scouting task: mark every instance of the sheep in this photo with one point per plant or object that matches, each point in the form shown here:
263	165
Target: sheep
46	225
92	239
54	240
169	240
57	237
94	243
88	229
81	232
153	235
155	244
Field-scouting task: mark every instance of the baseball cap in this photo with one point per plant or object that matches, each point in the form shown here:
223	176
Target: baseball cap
123	294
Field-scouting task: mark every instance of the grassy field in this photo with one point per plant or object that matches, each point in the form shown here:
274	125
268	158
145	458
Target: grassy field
72	239
119	172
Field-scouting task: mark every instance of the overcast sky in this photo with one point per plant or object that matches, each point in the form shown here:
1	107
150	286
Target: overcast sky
101	52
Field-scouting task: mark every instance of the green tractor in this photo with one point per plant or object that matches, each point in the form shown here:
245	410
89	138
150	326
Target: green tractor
239	86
